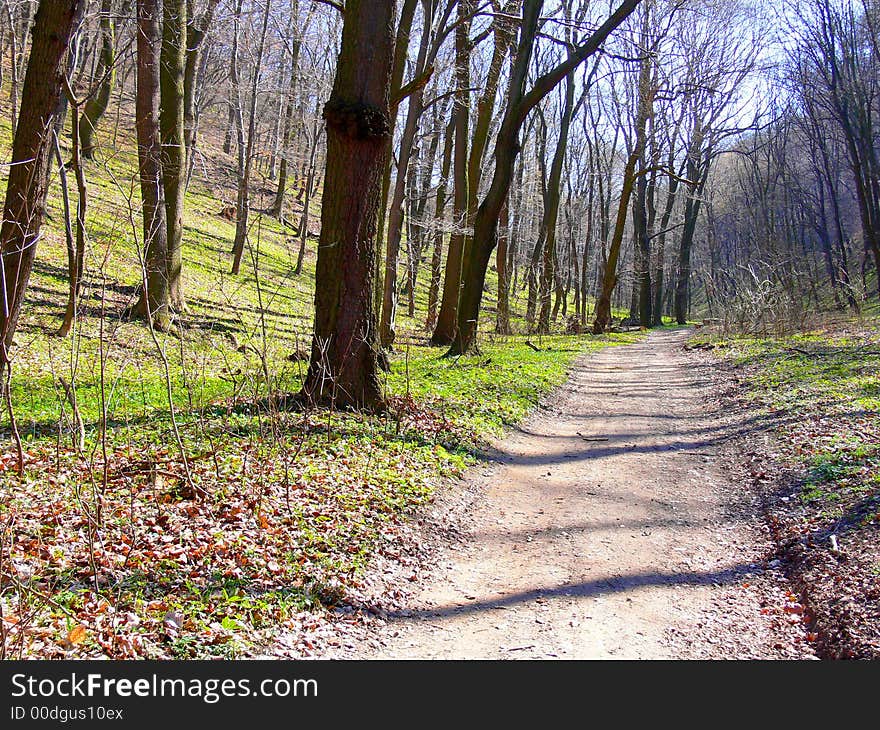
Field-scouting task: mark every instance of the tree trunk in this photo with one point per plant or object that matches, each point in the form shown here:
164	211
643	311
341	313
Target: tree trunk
76	261
444	330
609	276
602	318
97	104
551	209
27	184
343	370
502	313
171	127
661	246
698	174
196	32
439	208
243	206
395	214
155	293
307	200
401	52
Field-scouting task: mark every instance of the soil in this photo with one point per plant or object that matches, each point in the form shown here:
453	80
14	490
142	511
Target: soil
614	523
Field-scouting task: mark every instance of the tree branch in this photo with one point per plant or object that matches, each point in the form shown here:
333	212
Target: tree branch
546	83
417	84
337	4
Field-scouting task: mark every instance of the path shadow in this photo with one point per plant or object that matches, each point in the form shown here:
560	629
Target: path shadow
587	589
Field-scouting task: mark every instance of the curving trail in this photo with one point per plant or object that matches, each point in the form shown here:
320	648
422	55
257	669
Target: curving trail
608	529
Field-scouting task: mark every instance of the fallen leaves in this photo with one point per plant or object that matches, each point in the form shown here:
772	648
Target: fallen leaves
820	477
77	635
289	529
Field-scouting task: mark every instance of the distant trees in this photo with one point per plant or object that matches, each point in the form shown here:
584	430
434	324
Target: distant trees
655	178
517	106
837	63
792	213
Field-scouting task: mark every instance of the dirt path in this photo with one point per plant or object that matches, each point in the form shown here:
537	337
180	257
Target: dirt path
609	529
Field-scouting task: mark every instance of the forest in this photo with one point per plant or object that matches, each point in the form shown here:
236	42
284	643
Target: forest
440	329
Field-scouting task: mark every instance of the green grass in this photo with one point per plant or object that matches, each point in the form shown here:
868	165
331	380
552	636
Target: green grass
825	386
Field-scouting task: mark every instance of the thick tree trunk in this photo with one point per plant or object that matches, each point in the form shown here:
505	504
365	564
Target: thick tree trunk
343	370
27	184
155	293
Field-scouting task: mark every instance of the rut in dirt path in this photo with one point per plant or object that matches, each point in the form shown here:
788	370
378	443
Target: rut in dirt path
605	530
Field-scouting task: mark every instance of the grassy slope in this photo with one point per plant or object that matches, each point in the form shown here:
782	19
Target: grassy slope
823	390
134	547
826	387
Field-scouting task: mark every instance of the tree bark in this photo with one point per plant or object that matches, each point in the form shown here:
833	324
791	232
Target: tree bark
155	295
27	184
343	370
171	127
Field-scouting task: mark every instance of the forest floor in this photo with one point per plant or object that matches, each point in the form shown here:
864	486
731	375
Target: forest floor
611	524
